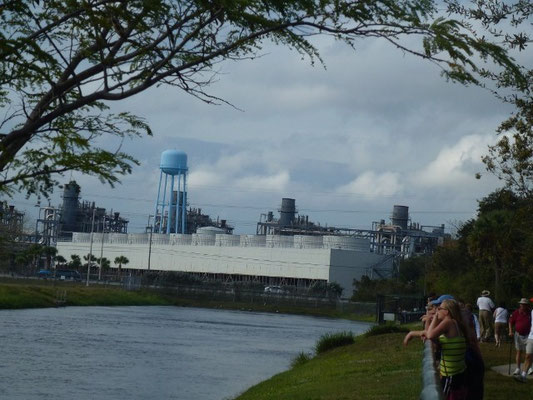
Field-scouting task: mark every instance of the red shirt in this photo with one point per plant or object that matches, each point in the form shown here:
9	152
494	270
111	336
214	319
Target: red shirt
521	322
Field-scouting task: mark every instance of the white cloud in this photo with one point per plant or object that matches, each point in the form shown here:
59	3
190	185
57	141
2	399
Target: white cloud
452	166
203	177
250	170
373	184
278	182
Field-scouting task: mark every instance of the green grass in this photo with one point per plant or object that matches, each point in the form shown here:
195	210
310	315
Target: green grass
34	293
39	295
375	367
387	328
499	386
301	359
331	341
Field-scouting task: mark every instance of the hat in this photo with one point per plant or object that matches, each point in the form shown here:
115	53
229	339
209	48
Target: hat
485	293
441	299
523	300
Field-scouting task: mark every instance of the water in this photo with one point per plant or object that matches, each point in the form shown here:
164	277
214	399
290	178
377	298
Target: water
148	352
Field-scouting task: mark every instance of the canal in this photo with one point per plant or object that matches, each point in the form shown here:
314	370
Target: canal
149	352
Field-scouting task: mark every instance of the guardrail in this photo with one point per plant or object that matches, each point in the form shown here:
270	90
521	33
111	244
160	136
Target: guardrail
430	382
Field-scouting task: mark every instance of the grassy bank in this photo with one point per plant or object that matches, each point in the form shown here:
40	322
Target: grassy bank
17	295
32	293
375	367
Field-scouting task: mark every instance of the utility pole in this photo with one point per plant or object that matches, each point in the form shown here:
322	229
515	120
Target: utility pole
101	251
90	249
151	227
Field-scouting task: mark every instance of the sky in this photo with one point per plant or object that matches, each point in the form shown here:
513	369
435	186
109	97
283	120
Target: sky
374	129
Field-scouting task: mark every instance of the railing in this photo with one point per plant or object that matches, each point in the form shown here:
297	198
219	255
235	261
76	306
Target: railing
430	383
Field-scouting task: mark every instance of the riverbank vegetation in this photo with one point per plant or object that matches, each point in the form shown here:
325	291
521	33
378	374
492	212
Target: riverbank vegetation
38	293
375	366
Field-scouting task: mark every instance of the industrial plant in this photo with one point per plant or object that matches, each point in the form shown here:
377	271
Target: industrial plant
286	250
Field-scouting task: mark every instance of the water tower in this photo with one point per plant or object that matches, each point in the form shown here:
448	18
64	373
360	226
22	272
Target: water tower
171	205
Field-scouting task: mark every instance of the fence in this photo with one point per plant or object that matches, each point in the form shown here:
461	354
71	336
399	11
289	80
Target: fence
399	308
430	383
236	293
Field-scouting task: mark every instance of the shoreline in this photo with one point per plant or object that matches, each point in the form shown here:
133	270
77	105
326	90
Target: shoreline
23	293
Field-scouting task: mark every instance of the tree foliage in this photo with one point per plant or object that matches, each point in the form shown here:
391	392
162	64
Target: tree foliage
63	61
104	262
75	261
511	158
492	251
510	22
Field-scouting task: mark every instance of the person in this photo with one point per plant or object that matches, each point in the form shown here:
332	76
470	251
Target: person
485	305
448	327
521	322
475	366
501	315
528	362
431	310
528	348
475	320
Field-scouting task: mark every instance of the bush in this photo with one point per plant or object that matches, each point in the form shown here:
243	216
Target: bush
300	359
384	329
332	340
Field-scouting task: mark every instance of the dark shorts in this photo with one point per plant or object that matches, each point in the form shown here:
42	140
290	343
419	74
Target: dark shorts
475	371
454	387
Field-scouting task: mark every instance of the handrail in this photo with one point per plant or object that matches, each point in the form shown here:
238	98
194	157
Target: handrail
430	383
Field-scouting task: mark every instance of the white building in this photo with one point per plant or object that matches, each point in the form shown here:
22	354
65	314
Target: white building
297	260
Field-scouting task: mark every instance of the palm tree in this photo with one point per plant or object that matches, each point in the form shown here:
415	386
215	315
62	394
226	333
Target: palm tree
105	262
22	260
60	260
50	252
121	260
34	252
75	262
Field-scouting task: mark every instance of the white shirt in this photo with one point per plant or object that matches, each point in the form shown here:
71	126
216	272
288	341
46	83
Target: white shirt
501	315
531	330
485	303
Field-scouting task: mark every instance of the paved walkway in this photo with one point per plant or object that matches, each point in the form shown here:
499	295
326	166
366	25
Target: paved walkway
504	370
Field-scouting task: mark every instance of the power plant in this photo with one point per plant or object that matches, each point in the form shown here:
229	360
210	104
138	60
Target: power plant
288	249
400	236
83	216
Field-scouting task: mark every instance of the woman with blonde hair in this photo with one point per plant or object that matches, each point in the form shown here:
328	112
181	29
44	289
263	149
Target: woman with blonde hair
448	328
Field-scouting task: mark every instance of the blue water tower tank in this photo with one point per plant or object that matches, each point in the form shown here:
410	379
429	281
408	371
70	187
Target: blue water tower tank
171	205
173	162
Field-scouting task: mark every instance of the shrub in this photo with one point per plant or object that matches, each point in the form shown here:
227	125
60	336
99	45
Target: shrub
300	359
384	329
332	340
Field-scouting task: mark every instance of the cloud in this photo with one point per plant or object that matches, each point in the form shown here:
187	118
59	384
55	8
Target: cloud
372	184
278	182
374	129
453	164
204	177
250	170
